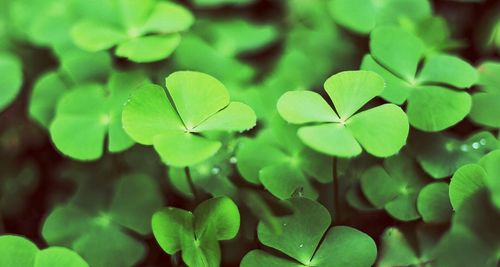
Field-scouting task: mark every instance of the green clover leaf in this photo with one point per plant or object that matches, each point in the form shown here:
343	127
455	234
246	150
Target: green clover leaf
472	178
434	101
20	252
363	15
10	80
381	131
433	203
200	103
51	86
281	163
197	234
147	30
89	232
394	187
87	114
485	108
409	246
300	240
441	154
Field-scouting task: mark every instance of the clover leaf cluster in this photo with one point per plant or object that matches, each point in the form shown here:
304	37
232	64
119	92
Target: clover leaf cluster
253	133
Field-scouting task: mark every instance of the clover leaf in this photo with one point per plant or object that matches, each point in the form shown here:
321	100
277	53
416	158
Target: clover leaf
472	178
89	113
476	224
381	131
434	94
363	15
485	108
394	187
20	252
409	246
51	86
11	79
433	203
89	231
143	31
200	104
302	241
441	154
281	163
196	234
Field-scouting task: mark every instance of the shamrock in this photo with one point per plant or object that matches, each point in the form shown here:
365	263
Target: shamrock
51	86
406	246
434	99
473	177
441	154
485	108
200	104
197	234
20	252
11	79
382	130
302	241
394	187
87	114
363	15
143	31
102	234
281	163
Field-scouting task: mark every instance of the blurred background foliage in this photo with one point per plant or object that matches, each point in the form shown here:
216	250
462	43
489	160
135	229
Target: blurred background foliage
259	49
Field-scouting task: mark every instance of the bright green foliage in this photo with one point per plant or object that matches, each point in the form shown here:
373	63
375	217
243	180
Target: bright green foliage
433	203
143	31
11	79
485	108
20	252
409	247
280	162
236	36
87	114
394	187
197	234
201	105
475	224
472	178
89	231
381	131
300	240
363	15
440	154
434	99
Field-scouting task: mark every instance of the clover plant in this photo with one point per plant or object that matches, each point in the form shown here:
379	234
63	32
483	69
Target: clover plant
435	95
19	251
253	133
142	31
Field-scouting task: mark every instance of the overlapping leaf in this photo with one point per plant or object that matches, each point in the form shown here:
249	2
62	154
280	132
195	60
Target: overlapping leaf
381	131
200	103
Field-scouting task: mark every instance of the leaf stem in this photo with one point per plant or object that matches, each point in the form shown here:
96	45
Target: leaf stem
336	198
190	182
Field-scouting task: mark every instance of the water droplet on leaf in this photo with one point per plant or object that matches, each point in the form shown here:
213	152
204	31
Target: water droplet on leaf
475	145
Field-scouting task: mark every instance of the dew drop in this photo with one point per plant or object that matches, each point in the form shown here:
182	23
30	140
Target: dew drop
284	224
464	148
482	141
233	160
301	245
475	145
215	170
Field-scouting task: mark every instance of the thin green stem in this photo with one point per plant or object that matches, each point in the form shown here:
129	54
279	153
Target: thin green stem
336	198
190	182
